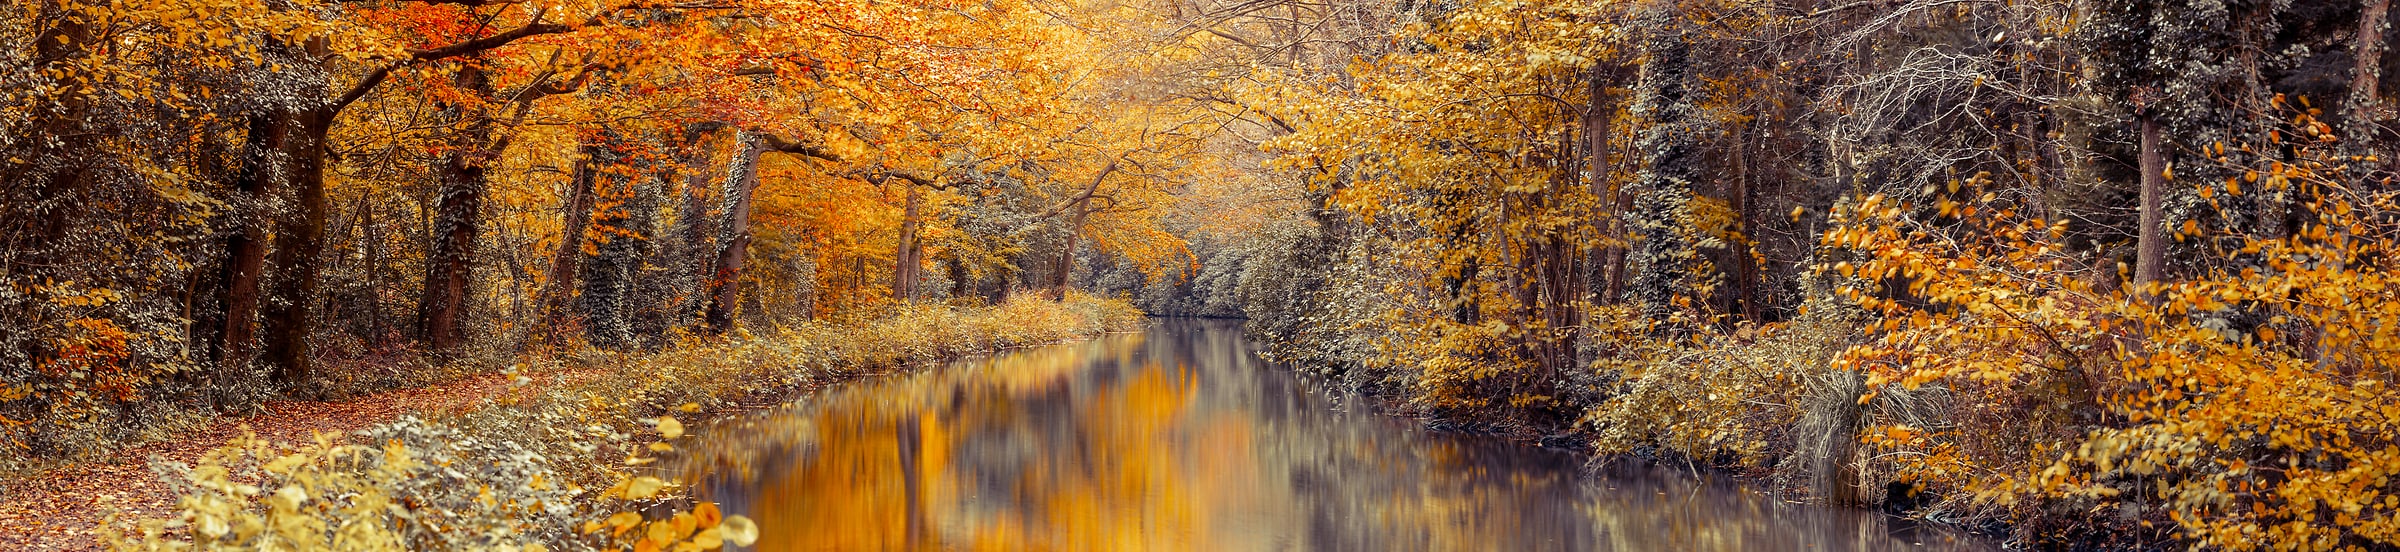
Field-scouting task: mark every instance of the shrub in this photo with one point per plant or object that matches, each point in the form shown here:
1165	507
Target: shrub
424	487
2247	406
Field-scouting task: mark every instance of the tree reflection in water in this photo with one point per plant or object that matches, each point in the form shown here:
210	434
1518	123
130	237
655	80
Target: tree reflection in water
1180	439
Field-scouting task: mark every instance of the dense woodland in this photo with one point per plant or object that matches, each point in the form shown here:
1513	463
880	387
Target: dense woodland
2082	273
210	204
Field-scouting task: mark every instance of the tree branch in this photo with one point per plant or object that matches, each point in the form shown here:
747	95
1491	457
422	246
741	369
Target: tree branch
786	145
532	28
537	27
1088	190
804	64
876	175
360	90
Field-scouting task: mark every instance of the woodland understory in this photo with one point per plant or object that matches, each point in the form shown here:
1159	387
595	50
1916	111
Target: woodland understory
2084	274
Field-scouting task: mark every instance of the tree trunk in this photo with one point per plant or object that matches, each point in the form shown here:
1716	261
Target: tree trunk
1066	255
246	248
612	298
2151	244
1612	290
697	253
2365	107
574	220
376	331
1745	262
457	223
447	268
1609	260
734	240
1664	262
957	270
905	264
299	242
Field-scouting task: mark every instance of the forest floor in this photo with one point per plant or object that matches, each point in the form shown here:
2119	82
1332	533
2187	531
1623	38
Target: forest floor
62	508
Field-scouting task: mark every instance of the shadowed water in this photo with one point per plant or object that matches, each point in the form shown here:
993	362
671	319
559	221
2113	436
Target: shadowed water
1179	438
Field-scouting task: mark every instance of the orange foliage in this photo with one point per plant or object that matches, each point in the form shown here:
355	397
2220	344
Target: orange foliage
2250	406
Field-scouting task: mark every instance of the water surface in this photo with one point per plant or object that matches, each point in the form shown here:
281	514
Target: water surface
1179	438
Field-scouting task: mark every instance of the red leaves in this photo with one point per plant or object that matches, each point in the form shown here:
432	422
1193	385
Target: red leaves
96	355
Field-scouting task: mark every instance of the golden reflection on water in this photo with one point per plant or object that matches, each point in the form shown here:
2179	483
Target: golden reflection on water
1179	439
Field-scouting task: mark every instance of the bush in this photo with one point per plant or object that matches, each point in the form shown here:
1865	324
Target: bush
425	487
2248	406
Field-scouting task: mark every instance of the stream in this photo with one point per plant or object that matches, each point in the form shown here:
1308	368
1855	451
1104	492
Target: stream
1180	438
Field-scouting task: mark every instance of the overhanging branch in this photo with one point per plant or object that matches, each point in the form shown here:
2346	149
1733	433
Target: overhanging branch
876	174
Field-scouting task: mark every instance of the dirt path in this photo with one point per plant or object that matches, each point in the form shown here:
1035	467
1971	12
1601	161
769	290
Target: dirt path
62	509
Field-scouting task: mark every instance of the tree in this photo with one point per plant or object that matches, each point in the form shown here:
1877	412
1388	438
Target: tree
623	229
741	181
1664	261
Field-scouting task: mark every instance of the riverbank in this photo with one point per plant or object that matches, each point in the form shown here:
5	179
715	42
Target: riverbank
1177	439
555	437
1765	405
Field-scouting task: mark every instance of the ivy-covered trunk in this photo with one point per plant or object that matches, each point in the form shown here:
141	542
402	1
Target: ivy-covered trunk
244	265
1666	272
457	223
268	280
734	240
290	317
690	259
610	298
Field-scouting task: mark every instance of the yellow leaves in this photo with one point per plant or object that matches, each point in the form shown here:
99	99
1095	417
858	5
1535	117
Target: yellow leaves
738	530
636	488
2197	389
617	524
702	528
211	526
288	499
668	427
670	530
1715	218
